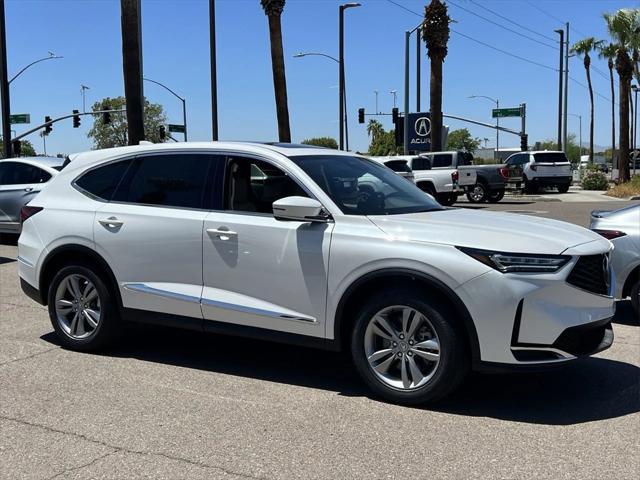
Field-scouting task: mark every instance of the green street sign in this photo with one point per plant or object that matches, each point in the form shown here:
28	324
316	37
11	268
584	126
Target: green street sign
20	118
505	112
176	128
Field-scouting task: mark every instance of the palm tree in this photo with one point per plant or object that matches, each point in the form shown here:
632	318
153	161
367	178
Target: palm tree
584	47
608	51
374	129
273	10
623	28
435	33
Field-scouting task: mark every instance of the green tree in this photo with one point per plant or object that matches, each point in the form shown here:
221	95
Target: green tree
584	47
572	150
435	33
326	142
624	29
273	10
382	142
114	134
461	139
608	51
26	146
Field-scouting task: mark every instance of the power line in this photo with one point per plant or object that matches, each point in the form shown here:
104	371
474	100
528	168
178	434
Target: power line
512	21
562	22
500	25
480	41
587	87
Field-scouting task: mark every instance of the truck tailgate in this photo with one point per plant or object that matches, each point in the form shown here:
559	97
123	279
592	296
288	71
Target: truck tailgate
467	176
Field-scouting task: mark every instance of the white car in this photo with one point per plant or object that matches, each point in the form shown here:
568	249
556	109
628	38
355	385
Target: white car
622	227
190	235
543	169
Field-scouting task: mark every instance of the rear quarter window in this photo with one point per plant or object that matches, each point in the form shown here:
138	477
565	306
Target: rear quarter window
102	182
398	166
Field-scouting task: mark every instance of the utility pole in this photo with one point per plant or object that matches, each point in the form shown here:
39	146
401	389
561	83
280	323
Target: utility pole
561	33
566	87
132	68
83	88
418	42
214	74
405	141
376	93
4	86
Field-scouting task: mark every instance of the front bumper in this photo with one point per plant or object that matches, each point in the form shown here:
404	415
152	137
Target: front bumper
536	319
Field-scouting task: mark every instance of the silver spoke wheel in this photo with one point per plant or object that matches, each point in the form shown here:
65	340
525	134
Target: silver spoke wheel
477	193
77	306
402	347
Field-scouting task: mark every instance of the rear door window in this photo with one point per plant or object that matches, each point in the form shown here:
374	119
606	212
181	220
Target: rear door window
102	182
170	180
442	160
421	163
16	173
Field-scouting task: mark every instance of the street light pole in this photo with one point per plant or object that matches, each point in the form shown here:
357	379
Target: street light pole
395	97
635	116
566	85
342	118
52	56
214	74
561	33
497	102
184	103
580	132
4	87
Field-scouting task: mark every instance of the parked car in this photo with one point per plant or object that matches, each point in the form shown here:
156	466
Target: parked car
21	179
183	235
398	165
598	161
543	169
622	228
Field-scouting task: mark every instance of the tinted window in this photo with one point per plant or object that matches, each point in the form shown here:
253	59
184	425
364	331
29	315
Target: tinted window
442	160
363	187
518	159
14	173
103	181
399	166
253	185
465	158
175	180
421	163
549	157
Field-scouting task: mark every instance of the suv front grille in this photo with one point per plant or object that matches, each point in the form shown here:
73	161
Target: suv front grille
591	273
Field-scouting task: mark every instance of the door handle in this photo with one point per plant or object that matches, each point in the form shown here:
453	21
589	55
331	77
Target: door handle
111	222
222	234
28	189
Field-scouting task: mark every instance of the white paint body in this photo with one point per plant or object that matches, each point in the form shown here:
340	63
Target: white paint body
289	276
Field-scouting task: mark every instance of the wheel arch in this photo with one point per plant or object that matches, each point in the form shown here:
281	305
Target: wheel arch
81	254
628	283
357	291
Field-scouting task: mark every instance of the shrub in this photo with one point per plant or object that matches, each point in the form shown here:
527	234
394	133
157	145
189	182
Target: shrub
627	189
593	180
326	142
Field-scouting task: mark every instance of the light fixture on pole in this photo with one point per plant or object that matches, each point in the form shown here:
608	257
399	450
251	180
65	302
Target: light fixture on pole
342	116
580	132
83	88
184	103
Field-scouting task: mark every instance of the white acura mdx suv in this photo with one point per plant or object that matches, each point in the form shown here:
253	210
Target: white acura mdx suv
314	247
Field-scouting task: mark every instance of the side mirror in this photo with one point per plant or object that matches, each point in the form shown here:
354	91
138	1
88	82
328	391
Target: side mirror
302	209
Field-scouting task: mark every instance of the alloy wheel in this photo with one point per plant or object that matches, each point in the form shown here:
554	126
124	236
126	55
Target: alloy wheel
402	347
477	193
77	306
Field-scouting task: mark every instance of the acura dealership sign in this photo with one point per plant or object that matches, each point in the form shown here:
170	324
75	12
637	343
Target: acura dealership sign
420	132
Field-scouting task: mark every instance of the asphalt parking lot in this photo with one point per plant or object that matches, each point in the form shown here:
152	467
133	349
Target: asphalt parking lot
175	404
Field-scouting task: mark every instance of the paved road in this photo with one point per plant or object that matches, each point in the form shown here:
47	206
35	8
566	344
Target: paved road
172	404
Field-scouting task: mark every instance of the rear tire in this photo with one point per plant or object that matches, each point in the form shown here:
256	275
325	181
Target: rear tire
82	310
479	193
496	196
446	199
563	188
530	187
397	327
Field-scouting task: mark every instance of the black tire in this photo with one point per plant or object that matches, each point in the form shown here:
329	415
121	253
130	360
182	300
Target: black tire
635	298
496	196
107	325
530	187
479	193
428	188
454	358
564	188
446	199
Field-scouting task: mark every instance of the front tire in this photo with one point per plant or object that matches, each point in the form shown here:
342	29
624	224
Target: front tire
82	310
635	298
408	350
564	188
446	199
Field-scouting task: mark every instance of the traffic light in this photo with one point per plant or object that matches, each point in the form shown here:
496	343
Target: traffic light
394	114
47	128
76	119
106	116
361	115
163	132
17	148
523	142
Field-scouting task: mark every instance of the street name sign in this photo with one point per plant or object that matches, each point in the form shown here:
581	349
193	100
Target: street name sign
505	112
20	118
176	128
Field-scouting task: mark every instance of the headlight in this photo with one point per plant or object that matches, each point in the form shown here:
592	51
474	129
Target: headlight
518	262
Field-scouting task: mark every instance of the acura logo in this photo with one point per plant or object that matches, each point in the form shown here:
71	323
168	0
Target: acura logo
423	126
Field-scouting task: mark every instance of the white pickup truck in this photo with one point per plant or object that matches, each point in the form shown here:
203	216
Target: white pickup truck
543	169
444	183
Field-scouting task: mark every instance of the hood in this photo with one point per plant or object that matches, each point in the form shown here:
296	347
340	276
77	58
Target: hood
506	232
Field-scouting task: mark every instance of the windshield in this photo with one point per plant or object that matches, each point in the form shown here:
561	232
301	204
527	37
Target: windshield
362	187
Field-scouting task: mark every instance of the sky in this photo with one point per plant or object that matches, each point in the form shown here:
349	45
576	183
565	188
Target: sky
176	52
